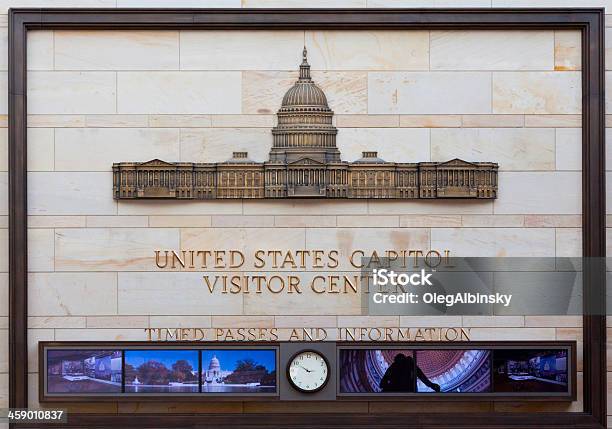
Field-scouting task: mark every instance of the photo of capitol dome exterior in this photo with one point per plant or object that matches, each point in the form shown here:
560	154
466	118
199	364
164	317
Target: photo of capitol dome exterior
304	162
214	373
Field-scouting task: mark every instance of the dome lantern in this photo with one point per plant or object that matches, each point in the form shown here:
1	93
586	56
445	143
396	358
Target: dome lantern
304	67
305	123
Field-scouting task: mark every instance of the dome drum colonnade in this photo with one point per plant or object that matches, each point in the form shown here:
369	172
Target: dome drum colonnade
305	162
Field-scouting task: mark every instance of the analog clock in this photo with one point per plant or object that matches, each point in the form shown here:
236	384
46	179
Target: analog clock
308	371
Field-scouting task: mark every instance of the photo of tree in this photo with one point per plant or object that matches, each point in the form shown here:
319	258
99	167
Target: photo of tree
161	371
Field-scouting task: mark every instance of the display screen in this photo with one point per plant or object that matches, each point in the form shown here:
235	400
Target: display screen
458	371
83	371
475	371
161	371
377	370
239	371
538	371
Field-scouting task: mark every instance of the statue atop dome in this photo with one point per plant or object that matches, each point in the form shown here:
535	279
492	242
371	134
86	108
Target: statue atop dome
305	162
304	67
305	129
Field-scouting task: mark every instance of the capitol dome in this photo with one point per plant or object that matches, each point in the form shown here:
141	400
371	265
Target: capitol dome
305	129
305	92
214	364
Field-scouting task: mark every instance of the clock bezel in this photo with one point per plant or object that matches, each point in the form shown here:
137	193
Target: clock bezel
292	358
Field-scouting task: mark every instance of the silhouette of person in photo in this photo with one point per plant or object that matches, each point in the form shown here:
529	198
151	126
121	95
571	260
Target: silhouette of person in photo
400	376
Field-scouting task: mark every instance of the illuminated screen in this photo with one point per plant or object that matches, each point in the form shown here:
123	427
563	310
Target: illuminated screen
161	371
539	371
254	371
377	370
458	371
407	371
238	371
83	371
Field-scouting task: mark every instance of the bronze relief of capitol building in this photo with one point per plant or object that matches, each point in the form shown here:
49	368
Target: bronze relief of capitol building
304	162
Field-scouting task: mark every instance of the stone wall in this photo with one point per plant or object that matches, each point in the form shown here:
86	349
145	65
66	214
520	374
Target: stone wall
96	98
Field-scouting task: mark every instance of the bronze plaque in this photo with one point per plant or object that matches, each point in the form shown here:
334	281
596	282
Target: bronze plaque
304	162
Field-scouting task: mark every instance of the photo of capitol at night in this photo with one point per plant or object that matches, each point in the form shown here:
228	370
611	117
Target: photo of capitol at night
305	162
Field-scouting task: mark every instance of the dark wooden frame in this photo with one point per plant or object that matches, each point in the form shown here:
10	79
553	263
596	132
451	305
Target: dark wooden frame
43	397
589	21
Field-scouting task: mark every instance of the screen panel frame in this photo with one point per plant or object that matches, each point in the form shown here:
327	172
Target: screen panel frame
44	346
44	396
589	21
570	346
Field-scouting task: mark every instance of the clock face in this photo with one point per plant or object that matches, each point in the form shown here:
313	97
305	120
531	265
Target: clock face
308	371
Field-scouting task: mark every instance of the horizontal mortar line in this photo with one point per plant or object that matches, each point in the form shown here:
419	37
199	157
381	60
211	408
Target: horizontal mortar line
166	127
185	70
325	227
248	114
61	125
342	215
295	73
257	127
178	125
255	316
266	127
72	316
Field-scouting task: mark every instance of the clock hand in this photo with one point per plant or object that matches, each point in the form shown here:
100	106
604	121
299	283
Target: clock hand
305	369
